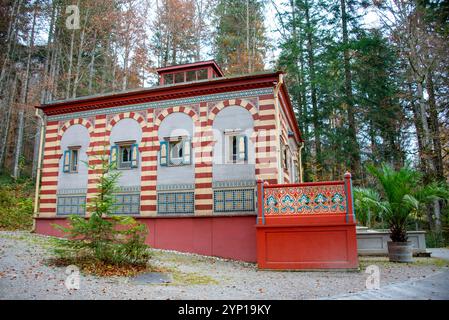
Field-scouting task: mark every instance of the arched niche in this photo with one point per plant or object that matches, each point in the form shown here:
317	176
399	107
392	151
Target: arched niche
177	124
129	131
232	120
75	137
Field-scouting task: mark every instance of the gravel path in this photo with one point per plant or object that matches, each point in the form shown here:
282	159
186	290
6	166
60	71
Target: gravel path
441	253
25	275
434	287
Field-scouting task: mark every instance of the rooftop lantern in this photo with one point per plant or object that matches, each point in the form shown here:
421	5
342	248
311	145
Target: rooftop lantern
204	70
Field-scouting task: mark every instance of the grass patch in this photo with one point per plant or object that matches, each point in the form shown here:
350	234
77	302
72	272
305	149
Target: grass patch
184	259
440	263
32	239
417	261
191	278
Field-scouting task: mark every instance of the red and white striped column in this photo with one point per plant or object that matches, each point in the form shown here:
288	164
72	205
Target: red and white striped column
265	131
203	146
50	169
148	178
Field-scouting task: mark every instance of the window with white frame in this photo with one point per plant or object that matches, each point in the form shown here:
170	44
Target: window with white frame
125	155
175	151
71	157
236	147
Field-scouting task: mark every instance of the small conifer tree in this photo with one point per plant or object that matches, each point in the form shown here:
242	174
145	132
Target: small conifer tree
104	236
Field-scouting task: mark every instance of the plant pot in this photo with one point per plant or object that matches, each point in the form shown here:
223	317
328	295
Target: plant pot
400	251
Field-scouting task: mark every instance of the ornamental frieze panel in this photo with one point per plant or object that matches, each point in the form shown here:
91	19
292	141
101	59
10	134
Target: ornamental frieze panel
305	200
253	100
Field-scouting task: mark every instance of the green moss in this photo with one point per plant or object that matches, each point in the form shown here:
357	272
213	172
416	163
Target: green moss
32	239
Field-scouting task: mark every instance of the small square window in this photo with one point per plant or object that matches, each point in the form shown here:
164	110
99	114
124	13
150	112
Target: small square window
191	75
175	151
74	160
202	74
168	78
70	160
179	77
125	156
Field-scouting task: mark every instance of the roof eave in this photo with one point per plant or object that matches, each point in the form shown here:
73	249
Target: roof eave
161	92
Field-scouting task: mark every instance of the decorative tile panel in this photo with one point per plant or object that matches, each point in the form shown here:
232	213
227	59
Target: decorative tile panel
71	205
234	200
305	200
127	203
75	191
175	203
234	183
129	189
171	187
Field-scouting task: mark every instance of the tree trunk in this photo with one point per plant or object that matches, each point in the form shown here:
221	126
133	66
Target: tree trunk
11	102
92	62
313	94
426	138
247	36
23	102
199	29
419	129
16	171
10	39
353	144
44	93
107	64
434	128
79	60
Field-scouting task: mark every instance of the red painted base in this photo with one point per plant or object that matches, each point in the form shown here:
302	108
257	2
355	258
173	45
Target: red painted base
231	237
307	245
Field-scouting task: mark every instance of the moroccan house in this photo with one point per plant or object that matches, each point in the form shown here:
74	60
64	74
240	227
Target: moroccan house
190	151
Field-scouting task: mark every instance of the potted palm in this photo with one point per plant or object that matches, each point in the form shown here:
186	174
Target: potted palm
400	193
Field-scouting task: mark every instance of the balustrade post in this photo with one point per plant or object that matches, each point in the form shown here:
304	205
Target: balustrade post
260	201
349	198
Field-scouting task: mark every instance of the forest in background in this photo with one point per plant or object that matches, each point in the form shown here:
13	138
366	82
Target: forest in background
362	94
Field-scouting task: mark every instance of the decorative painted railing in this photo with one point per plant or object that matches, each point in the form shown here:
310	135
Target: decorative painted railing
299	199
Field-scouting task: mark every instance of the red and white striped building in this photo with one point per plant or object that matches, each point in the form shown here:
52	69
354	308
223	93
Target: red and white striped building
190	152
